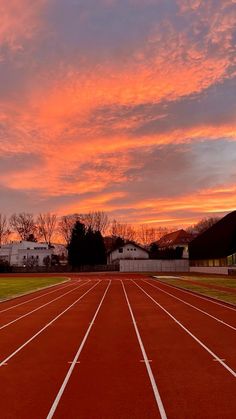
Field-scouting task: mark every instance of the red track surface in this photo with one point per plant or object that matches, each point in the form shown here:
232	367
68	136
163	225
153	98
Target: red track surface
117	347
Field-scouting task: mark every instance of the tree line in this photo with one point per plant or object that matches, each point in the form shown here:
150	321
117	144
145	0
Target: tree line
48	226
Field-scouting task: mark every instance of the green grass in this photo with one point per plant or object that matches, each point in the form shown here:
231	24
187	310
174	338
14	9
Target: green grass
223	282
226	296
14	286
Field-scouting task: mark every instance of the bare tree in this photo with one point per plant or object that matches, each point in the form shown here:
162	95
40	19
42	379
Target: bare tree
203	224
4	230
66	225
123	230
147	235
46	225
96	220
23	224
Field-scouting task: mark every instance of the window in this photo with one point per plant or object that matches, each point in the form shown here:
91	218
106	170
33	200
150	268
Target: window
121	250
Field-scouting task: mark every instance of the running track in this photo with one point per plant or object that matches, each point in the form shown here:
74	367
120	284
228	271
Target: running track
117	347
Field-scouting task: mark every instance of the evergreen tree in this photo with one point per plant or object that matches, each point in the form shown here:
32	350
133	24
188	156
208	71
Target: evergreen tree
89	247
154	251
76	246
95	252
99	249
86	247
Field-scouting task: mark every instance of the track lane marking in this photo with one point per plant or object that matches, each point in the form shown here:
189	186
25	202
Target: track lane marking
195	294
215	356
42	306
46	326
146	360
75	360
190	305
35	298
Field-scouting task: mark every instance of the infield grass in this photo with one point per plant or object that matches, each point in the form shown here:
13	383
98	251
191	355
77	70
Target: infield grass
223	295
14	286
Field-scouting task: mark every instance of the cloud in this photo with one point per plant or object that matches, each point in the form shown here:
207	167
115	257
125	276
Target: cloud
20	21
117	105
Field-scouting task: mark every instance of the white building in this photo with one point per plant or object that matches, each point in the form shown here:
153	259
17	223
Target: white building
128	251
25	253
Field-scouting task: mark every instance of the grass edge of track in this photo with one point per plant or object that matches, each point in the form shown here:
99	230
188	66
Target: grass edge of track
12	296
217	295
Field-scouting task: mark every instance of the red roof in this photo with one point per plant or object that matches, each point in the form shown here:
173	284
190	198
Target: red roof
177	238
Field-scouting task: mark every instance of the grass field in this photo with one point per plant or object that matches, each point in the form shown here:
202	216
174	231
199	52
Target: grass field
224	295
224	282
14	286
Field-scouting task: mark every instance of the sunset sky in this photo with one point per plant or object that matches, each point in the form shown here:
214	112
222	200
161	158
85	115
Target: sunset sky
126	106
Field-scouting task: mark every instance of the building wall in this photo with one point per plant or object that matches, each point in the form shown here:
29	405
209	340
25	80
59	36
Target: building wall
14	252
34	256
150	265
129	251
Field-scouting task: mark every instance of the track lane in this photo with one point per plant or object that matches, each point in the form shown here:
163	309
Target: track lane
110	380
14	336
204	329
200	297
31	379
7	319
14	301
192	384
12	304
193	305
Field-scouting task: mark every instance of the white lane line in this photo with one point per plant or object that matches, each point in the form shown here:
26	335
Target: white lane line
42	306
195	294
189	333
192	306
45	327
35	298
75	360
146	360
35	291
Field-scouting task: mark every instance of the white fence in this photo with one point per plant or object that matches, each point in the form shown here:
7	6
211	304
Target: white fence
149	265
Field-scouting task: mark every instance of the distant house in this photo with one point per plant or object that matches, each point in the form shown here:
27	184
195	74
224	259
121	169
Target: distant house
25	253
128	251
215	247
174	240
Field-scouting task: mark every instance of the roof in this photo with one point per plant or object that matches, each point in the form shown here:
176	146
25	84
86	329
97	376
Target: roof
129	243
217	242
179	237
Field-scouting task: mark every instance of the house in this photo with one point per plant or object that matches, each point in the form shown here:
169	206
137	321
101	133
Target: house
25	253
215	247
128	251
176	239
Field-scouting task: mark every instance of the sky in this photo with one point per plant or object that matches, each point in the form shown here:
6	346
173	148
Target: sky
123	106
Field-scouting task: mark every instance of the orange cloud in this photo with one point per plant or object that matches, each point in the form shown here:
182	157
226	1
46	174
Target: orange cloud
20	20
60	115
